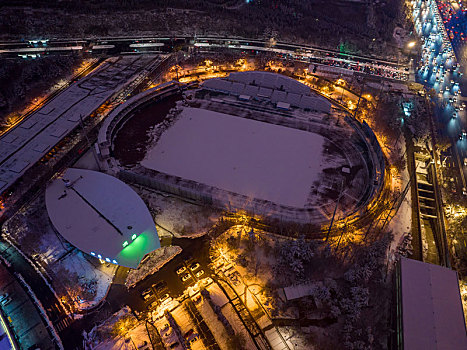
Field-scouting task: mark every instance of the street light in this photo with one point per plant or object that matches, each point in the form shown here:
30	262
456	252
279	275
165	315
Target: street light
411	44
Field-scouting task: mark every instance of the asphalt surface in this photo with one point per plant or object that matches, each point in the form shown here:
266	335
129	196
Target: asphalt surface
20	265
23	318
194	250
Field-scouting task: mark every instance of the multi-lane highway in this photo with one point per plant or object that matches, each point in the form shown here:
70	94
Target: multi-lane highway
441	68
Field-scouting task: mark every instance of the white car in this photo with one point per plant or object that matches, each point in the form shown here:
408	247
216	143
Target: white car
199	273
180	270
194	266
164	297
186	277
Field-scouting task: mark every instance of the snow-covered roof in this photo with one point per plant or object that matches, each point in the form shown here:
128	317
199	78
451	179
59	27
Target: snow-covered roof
101	216
298	291
269	80
432	316
283	105
30	140
267	85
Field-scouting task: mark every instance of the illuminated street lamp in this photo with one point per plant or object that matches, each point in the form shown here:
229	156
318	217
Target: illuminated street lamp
411	44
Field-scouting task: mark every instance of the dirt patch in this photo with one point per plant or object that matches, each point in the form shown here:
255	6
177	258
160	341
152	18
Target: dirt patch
131	141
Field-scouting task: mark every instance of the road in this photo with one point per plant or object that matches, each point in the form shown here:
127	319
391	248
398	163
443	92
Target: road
441	68
131	45
20	265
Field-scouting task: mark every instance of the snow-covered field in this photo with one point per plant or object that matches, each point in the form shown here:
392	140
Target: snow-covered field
96	278
248	157
176	217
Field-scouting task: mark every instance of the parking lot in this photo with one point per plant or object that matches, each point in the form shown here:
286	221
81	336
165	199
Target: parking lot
184	271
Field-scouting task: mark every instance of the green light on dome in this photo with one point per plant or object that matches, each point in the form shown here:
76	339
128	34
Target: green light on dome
135	249
133	237
125	244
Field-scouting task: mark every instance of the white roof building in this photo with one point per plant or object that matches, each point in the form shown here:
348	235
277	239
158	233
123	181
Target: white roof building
30	140
102	216
430	315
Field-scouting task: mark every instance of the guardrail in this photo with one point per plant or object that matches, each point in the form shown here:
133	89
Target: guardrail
42	311
10	334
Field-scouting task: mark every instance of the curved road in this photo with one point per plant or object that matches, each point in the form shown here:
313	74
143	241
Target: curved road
19	264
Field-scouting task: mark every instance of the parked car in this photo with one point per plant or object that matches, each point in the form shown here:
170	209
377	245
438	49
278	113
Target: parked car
199	273
145	293
186	277
168	333
6	301
159	286
180	269
194	266
164	297
165	328
153	305
188	334
143	345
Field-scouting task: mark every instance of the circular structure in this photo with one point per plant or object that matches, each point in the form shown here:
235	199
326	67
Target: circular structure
255	141
118	227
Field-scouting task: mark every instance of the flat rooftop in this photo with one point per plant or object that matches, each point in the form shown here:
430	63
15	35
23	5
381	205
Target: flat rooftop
432	316
249	157
30	140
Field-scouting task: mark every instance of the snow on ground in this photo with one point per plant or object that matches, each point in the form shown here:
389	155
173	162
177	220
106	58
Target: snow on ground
229	312
220	299
184	321
112	344
216	327
139	336
244	156
217	296
105	337
102	274
69	268
401	223
151	264
177	217
296	340
31	230
87	161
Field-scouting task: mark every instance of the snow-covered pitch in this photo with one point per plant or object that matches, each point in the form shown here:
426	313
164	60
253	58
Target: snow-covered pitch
249	157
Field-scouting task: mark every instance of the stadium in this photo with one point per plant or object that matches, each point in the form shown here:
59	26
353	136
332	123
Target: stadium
254	141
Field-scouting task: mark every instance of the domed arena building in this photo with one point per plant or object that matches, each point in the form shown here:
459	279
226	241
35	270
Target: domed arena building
101	216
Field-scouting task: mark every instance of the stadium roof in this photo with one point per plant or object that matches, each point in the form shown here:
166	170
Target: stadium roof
277	88
432	315
101	216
